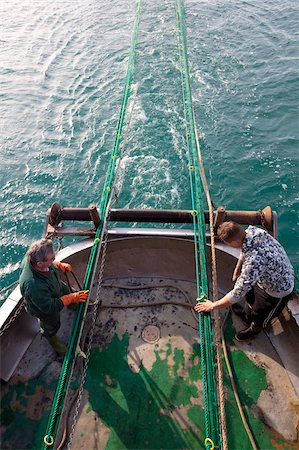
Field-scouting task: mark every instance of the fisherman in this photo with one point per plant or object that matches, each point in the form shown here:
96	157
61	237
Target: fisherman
44	293
263	275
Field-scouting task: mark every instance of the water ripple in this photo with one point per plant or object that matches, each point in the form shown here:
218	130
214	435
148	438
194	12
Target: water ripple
62	73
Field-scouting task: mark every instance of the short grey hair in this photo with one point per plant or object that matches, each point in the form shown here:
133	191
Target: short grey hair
39	250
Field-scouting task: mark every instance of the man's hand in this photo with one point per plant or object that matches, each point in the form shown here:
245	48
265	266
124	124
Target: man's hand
206	306
76	297
64	267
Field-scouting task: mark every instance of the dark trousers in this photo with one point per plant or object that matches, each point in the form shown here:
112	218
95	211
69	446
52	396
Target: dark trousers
261	307
50	324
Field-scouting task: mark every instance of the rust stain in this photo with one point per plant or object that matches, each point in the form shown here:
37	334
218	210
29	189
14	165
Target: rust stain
15	404
36	403
275	437
33	406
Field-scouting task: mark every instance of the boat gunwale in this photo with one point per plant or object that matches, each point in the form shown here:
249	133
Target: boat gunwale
115	234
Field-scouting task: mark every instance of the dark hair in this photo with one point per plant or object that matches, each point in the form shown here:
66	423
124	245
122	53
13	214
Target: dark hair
230	231
39	250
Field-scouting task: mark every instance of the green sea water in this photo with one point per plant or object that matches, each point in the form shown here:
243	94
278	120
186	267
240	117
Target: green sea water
62	72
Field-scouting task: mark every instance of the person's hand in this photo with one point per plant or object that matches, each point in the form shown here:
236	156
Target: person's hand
64	267
76	297
206	306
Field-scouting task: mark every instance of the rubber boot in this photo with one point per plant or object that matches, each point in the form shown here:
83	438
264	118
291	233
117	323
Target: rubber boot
248	333
57	345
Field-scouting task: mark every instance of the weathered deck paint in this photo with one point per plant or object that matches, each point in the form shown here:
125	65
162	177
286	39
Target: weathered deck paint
135	402
250	381
24	410
158	407
137	406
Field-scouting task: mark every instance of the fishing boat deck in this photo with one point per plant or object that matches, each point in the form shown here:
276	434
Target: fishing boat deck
143	383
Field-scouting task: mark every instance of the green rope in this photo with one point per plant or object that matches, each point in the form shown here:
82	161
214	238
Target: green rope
208	361
206	332
68	362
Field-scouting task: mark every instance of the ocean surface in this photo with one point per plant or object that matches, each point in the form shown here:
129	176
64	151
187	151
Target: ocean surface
62	73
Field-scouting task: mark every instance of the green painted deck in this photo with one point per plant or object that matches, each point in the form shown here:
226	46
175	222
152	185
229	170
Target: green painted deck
139	395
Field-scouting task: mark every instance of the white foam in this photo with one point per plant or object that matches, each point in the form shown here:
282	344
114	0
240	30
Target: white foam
9	268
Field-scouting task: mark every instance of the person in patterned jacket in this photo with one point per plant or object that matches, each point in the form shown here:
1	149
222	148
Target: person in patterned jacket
263	275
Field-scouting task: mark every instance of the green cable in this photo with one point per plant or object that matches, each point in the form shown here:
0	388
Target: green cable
68	362
208	362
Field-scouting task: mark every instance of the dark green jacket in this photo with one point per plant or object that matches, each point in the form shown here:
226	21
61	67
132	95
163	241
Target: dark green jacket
41	292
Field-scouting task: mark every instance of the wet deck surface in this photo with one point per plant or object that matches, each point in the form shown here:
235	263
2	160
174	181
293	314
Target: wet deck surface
148	395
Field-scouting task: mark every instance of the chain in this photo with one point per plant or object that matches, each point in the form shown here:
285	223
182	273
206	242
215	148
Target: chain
12	318
262	219
96	304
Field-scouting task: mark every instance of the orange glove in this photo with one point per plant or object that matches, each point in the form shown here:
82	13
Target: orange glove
76	297
64	267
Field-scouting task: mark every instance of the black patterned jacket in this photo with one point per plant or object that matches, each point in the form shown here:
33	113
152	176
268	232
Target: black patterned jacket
266	263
